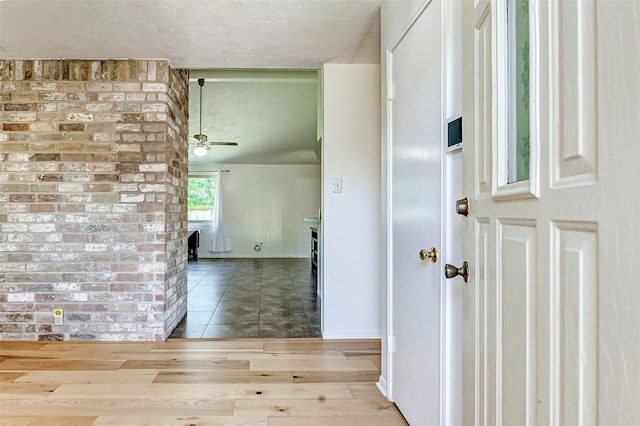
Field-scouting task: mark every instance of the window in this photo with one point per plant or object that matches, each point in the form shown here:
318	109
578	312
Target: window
515	74
518	89
201	197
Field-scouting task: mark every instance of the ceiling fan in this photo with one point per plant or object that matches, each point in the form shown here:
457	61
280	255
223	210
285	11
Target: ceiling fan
202	145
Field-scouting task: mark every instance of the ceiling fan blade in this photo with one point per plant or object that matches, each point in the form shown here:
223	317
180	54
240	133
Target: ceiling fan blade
224	143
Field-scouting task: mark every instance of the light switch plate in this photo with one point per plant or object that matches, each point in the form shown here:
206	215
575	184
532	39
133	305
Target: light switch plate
336	185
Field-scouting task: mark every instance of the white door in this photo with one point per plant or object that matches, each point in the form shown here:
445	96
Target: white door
416	136
552	308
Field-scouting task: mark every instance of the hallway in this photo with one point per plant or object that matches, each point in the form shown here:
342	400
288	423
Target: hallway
244	298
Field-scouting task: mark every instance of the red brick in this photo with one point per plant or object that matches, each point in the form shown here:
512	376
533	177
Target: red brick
124	267
19	107
54	198
75	238
123	287
131	157
68	146
105	178
98	187
46	157
132	117
22	198
76	157
50	178
103	158
15	127
24	96
50	337
70	208
71	127
34	208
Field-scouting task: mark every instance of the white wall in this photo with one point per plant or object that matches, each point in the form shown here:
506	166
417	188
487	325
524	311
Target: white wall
265	203
351	219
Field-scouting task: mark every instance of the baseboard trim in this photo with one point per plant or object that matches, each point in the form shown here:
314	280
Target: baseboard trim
355	334
383	386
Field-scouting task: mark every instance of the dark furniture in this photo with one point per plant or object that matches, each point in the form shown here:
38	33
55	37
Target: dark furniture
314	250
193	242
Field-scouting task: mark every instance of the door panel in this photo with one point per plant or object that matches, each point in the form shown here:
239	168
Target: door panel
574	32
516	300
551	309
484	347
574	291
416	157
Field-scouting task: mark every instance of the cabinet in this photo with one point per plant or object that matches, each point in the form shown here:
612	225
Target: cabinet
314	250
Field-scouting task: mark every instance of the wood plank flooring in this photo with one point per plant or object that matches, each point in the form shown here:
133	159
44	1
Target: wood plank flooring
261	382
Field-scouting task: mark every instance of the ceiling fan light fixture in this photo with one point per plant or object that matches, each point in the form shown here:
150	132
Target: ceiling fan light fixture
200	137
200	150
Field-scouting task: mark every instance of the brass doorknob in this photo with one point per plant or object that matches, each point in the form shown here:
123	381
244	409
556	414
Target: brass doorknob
429	254
462	206
451	271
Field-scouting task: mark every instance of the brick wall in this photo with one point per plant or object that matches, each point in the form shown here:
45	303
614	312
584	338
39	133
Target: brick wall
93	172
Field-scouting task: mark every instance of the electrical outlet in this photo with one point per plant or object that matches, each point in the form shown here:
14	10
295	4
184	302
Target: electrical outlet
58	316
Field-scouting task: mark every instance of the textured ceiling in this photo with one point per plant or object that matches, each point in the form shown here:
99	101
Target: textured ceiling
195	33
271	114
271	117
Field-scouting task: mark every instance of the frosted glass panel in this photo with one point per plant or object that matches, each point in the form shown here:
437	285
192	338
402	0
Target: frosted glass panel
518	62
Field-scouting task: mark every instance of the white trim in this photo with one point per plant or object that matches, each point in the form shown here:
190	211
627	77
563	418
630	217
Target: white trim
444	132
320	268
352	334
257	80
382	386
202	174
389	226
419	11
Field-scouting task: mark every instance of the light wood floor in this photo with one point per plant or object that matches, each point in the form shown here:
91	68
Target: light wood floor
276	382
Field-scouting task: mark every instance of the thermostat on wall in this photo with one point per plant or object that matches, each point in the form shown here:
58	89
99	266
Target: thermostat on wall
454	134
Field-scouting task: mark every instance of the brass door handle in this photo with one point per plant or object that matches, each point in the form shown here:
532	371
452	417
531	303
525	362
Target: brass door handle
429	254
451	271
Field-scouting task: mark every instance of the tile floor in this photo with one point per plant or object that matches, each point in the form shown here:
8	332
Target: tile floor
237	298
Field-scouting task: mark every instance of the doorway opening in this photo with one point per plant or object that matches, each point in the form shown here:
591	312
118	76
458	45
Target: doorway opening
264	286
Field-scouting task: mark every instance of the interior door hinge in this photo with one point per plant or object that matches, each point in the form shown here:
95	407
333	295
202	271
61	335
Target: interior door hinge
391	343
